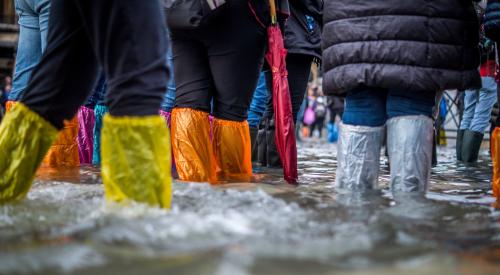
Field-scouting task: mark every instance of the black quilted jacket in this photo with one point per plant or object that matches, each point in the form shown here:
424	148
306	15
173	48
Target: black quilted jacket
413	45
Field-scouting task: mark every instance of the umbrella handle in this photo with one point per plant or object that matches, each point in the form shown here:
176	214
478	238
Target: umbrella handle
274	18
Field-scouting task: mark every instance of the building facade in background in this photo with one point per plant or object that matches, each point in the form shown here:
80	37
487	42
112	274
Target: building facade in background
9	33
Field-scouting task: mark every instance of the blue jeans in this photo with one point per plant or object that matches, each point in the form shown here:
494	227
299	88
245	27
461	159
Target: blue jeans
368	106
34	22
169	100
259	101
478	106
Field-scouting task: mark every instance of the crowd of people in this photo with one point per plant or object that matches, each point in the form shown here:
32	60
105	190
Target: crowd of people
100	82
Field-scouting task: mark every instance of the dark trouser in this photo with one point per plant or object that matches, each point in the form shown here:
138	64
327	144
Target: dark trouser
126	38
220	64
318	124
299	70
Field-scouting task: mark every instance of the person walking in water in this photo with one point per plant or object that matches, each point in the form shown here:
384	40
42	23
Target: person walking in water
84	36
33	28
216	72
389	58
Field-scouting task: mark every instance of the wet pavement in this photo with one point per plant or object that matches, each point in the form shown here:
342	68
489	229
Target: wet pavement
268	227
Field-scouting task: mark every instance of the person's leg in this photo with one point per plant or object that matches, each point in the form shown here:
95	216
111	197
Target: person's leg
86	121
100	109
259	101
299	71
410	131
473	136
487	99
470	101
234	88
495	154
256	113
190	118
320	122
29	49
169	100
134	136
360	138
42	7
56	90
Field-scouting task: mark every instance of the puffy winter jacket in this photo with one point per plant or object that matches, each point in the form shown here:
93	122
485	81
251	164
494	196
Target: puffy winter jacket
492	20
416	45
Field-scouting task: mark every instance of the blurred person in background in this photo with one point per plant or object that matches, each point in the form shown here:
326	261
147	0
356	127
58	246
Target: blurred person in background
478	102
303	42
492	31
335	106
320	112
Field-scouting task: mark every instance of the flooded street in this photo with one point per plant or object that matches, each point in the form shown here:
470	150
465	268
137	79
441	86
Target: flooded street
258	228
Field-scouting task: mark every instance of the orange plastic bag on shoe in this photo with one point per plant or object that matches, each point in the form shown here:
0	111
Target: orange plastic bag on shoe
192	146
64	151
9	105
495	155
233	151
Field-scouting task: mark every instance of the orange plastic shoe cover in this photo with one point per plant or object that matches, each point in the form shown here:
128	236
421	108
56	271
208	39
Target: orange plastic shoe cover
9	105
233	150
64	151
192	146
495	155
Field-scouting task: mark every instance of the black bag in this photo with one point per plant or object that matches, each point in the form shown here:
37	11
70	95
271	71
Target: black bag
192	14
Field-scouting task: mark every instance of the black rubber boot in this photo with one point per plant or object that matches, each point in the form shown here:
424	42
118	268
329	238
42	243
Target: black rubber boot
253	141
273	157
434	149
460	136
471	144
261	143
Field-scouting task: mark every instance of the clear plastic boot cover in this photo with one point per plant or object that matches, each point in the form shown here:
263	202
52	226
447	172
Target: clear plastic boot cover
358	157
409	142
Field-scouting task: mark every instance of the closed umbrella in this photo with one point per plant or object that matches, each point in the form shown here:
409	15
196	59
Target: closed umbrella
284	124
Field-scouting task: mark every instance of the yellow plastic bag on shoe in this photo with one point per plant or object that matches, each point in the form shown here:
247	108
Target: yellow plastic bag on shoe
191	144
233	150
64	151
25	137
136	160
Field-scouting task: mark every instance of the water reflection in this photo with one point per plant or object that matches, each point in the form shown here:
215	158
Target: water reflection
257	228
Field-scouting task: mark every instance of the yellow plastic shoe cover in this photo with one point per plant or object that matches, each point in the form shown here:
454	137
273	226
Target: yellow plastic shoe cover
191	144
64	151
232	150
495	155
136	160
25	137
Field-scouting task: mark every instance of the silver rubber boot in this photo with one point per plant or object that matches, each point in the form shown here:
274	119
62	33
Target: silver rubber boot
409	142
358	157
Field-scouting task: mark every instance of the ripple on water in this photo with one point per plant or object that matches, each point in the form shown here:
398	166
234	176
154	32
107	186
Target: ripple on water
253	228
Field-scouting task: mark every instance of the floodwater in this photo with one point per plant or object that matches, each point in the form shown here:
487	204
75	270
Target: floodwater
268	227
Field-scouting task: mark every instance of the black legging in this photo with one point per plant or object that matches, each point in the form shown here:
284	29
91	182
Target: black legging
126	38
299	70
217	68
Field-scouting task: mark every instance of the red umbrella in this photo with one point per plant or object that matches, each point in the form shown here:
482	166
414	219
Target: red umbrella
285	126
